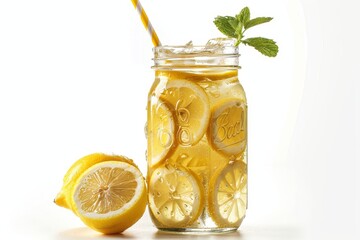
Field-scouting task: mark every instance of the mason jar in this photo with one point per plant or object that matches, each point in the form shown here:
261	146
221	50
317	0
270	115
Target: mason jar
197	140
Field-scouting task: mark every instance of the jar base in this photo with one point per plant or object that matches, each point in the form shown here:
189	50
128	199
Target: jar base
197	230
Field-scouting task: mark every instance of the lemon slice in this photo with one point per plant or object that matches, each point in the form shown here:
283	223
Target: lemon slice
228	127
110	196
161	128
228	195
191	106
176	198
63	198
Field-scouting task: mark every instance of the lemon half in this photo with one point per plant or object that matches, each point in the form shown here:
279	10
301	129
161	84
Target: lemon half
110	196
63	198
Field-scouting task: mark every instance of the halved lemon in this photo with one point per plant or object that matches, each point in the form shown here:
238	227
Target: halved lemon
109	196
228	195
191	106
228	127
63	198
176	198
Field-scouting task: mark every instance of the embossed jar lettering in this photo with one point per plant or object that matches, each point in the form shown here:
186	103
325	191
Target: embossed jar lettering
228	131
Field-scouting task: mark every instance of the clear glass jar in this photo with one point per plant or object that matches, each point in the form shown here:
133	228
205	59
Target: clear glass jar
197	140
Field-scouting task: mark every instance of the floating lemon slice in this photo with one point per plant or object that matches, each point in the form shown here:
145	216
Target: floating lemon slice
191	106
228	127
176	198
228	195
161	129
110	196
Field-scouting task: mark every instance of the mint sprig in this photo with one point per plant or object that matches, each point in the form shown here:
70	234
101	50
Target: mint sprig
235	27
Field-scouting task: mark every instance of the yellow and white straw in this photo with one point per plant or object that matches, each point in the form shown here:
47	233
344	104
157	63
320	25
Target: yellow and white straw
146	22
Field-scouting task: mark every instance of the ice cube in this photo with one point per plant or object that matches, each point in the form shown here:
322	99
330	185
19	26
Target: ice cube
189	47
221	42
220	45
189	44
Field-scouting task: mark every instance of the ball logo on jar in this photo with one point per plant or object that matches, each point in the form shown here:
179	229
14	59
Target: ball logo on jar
228	127
228	130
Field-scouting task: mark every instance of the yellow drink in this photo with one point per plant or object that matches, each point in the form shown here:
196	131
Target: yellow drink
197	140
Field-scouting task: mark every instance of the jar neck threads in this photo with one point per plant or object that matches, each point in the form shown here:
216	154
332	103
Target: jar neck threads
190	57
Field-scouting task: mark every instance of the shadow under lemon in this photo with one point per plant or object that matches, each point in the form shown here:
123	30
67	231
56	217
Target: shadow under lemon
88	234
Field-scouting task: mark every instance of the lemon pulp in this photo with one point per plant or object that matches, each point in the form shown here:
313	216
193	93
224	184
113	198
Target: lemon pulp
176	197
110	196
228	195
63	198
105	190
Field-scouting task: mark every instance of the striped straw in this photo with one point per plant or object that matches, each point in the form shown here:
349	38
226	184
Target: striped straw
146	22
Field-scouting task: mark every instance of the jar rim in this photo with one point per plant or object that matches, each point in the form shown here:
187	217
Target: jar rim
182	56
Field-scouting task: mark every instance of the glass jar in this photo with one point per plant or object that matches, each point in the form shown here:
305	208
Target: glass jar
197	140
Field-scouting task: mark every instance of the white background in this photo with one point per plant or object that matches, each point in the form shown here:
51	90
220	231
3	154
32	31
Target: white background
74	77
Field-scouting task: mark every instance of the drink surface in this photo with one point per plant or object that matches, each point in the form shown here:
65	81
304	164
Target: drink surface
197	146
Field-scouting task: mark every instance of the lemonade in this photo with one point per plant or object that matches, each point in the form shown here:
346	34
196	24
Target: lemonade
197	140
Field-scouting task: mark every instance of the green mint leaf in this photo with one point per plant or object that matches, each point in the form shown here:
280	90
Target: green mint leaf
224	25
257	21
238	30
233	22
265	46
235	27
244	15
